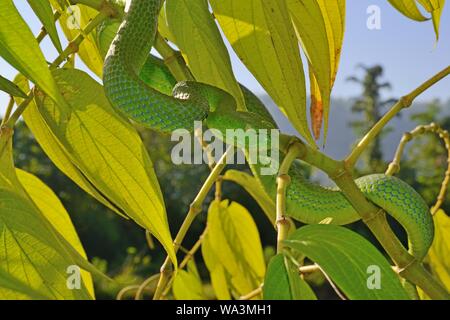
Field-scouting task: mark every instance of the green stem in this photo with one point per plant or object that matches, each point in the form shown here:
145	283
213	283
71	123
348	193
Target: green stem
404	102
194	210
8	111
283	181
173	59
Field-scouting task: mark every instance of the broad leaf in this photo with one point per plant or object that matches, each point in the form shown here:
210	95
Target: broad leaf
55	151
21	50
11	88
312	32
254	188
232	240
10	286
438	257
351	261
52	208
283	281
44	12
31	250
73	20
267	45
188	285
409	9
108	151
197	36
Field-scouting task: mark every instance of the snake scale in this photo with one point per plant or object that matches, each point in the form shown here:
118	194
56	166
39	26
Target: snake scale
137	84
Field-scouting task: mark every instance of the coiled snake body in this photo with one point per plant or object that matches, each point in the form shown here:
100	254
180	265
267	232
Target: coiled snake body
147	103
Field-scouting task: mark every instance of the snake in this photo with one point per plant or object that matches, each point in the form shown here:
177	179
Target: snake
142	88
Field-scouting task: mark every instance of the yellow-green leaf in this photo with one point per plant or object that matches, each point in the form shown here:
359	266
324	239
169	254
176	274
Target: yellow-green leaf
435	7
73	20
52	208
108	151
268	46
21	50
31	250
409	9
11	88
54	150
187	284
44	12
9	283
233	241
198	37
254	188
438	256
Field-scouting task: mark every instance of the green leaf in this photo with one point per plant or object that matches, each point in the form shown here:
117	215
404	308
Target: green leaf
21	50
256	191
44	12
31	250
55	151
349	260
435	7
108	151
268	46
438	257
232	240
11	88
197	36
52	208
10	286
187	284
409	9
73	20
283	281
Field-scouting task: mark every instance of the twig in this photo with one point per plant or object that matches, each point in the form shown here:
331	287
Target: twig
144	285
394	166
194	210
404	102
252	294
283	181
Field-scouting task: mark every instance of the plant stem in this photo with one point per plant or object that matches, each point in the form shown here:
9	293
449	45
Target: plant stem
252	294
172	59
194	210
8	111
74	45
404	102
283	181
394	166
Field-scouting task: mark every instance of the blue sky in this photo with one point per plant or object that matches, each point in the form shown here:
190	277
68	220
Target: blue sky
407	50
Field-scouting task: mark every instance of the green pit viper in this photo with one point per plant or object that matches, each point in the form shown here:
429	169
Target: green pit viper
139	85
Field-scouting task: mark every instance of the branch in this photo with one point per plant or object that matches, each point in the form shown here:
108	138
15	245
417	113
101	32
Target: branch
404	102
394	166
194	210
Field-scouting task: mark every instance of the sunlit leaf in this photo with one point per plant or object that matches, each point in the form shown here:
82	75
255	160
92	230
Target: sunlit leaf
352	262
268	46
73	20
254	188
44	12
21	50
54	150
10	286
197	36
11	88
188	285
52	208
438	257
283	281
435	7
108	151
240	253
31	250
409	9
